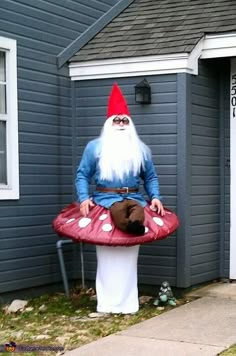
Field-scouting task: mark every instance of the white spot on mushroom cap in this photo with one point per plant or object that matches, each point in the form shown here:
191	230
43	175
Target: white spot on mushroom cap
103	217
84	222
158	221
146	229
107	227
70	220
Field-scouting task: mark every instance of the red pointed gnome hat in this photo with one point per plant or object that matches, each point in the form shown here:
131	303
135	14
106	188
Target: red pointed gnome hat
116	103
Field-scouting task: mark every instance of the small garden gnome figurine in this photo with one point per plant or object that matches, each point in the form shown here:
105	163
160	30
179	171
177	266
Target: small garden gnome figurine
165	295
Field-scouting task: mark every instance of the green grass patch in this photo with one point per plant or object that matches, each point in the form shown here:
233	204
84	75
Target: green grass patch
229	352
54	320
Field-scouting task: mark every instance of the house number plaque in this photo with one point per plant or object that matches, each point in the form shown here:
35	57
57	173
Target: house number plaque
233	89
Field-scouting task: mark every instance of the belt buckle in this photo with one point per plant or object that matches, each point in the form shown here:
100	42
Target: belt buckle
127	189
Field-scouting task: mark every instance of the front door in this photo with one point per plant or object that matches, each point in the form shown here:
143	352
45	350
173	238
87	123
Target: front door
232	273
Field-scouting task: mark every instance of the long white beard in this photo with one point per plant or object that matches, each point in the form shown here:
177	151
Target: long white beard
121	151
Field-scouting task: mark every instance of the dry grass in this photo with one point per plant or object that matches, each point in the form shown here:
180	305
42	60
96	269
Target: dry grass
230	352
56	320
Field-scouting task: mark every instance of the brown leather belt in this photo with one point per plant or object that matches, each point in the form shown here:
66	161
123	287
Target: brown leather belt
124	190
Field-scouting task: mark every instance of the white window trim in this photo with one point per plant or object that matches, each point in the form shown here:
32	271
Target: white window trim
11	190
211	46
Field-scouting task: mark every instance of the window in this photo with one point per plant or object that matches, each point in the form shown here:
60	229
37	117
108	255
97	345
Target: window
9	160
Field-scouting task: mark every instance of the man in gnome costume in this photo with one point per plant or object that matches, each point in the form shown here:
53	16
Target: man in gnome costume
117	160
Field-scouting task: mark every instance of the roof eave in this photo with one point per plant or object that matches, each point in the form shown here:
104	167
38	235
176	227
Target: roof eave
210	46
136	66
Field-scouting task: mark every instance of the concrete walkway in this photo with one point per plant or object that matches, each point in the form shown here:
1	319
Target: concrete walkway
204	327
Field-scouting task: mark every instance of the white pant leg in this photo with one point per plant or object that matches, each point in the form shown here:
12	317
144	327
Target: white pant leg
116	279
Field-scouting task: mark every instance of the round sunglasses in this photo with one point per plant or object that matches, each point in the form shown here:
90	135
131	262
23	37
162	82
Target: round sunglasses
117	120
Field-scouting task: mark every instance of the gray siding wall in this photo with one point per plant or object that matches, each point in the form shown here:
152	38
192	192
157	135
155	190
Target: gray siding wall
156	125
205	171
42	30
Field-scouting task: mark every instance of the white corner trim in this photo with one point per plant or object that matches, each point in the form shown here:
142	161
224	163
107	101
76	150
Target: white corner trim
211	46
232	269
11	191
217	46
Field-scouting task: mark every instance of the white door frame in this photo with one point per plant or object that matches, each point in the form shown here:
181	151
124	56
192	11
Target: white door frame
232	270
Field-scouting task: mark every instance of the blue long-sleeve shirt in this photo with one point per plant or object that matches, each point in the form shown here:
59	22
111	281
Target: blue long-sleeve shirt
89	168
